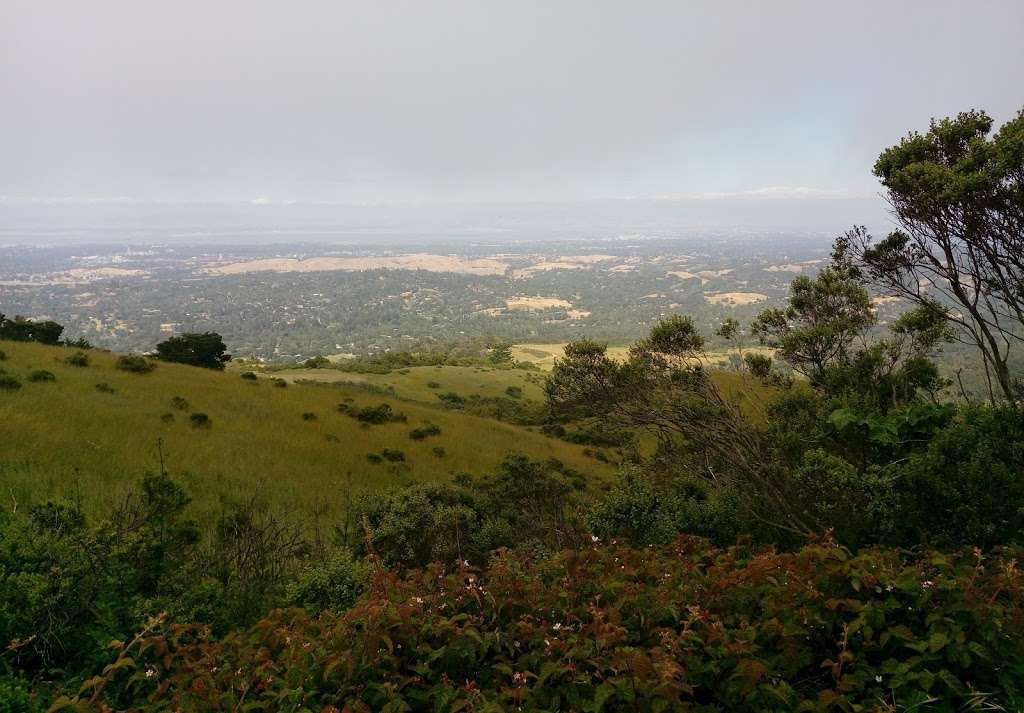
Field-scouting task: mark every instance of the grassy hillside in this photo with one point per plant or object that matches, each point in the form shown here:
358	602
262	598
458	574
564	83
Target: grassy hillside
68	436
418	382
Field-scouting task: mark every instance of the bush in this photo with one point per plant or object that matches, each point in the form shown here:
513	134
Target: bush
135	364
167	417
3	355
316	362
392	455
9	383
376	415
309	416
249	376
332	585
439	451
374	458
514	392
179	404
77	359
200	420
41	375
677	627
105	388
433	385
280	383
418	434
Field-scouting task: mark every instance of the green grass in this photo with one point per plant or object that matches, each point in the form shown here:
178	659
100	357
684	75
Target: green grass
413	383
67	438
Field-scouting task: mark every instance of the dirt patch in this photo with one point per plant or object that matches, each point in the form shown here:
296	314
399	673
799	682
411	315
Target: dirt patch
735	299
537	303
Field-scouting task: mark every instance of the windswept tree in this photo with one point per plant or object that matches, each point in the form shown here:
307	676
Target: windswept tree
957	193
665	388
825	333
205	350
820	325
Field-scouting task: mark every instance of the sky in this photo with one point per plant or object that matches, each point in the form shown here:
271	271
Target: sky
479	102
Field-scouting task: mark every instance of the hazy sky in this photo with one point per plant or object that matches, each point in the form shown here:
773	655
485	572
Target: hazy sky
377	101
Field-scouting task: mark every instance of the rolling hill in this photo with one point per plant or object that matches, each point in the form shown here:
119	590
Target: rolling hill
93	430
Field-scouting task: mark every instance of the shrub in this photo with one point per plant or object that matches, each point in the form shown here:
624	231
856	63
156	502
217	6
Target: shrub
167	417
280	383
452	400
41	375
205	350
9	383
514	392
376	415
249	376
135	364
439	451
309	416
433	385
677	627
316	362
105	388
374	458
418	434
77	359
200	420
392	455
3	355
331	585
179	403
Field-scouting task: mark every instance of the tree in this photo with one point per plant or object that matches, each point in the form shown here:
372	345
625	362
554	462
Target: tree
958	197
20	329
501	353
205	350
664	388
823	319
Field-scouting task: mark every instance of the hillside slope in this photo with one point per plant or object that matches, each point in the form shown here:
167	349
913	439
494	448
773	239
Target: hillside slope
69	438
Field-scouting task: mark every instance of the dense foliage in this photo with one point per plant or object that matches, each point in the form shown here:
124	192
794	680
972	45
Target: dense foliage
617	629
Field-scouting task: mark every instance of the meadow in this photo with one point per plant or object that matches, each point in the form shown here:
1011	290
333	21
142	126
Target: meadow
94	430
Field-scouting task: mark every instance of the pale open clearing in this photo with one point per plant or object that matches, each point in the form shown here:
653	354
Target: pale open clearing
537	303
414	261
785	268
735	299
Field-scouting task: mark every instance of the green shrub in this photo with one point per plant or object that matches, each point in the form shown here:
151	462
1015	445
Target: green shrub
77	359
105	388
9	383
514	392
135	364
439	451
41	375
200	420
280	383
418	434
249	376
309	416
375	415
677	627
167	417
179	404
374	458
3	355
433	385
331	585
392	455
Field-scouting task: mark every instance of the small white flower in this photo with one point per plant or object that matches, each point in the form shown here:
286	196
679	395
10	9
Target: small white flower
150	672
878	679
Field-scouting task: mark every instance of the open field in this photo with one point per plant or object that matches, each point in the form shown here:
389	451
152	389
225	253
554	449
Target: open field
68	438
414	383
